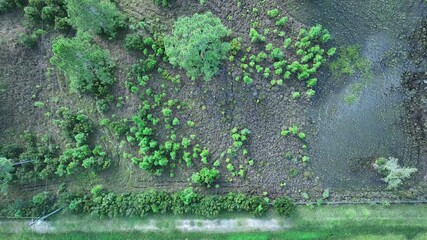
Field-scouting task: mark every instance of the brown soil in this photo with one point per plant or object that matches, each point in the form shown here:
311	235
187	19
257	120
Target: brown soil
216	106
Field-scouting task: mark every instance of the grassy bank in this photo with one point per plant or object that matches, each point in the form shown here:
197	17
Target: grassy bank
343	222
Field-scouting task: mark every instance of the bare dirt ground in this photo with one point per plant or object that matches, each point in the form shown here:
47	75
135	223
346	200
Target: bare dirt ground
216	106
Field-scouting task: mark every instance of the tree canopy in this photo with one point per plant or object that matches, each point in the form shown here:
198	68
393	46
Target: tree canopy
197	45
85	64
100	17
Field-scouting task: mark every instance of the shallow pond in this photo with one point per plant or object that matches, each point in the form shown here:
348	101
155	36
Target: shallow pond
350	136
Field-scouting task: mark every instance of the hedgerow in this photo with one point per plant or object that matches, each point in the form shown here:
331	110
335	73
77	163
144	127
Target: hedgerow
197	45
103	204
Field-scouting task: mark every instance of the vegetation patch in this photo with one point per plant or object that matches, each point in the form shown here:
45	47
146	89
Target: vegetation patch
197	45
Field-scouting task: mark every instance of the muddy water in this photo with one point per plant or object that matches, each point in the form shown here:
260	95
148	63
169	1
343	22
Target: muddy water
349	136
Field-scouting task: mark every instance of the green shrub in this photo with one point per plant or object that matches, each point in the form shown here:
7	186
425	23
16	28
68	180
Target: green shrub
196	45
273	13
100	17
282	21
73	124
85	64
276	54
30	40
205	176
6	168
255	36
235	45
284	206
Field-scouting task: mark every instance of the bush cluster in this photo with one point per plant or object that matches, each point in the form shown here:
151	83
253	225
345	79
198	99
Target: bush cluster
78	127
40	16
8	4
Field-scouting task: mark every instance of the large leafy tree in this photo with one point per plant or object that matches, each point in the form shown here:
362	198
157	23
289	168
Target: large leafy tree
6	168
197	45
87	66
98	16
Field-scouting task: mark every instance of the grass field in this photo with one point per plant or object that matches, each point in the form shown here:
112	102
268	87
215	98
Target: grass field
327	222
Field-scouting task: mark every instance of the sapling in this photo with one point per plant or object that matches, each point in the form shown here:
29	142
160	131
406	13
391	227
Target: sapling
393	172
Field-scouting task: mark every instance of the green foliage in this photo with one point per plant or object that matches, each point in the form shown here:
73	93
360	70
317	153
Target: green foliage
188	196
310	93
30	40
40	198
196	45
282	21
78	127
349	61
255	36
191	123
85	64
97	189
276	54
44	14
393	172
119	128
9	4
205	176
235	45
284	206
273	13
73	124
147	45
296	95
150	202
162	3
100	17
6	168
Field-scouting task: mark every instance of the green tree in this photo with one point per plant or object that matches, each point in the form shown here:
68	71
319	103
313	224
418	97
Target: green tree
197	45
6	167
85	64
100	17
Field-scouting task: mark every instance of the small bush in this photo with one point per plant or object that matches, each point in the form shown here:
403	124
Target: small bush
284	206
273	13
205	176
